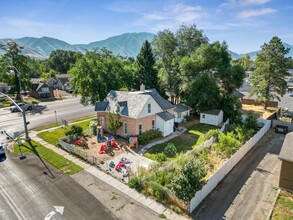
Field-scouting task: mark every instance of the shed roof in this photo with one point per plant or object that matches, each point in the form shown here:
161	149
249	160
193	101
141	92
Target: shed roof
166	116
287	148
181	108
238	94
212	112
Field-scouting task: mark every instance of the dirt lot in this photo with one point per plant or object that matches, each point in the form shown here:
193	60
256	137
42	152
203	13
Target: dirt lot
258	110
248	191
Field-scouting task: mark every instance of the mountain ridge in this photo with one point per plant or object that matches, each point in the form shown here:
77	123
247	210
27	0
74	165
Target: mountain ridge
127	44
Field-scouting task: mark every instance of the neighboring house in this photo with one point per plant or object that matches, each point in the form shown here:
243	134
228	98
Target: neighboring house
212	117
286	156
238	94
41	90
4	87
61	81
180	112
140	111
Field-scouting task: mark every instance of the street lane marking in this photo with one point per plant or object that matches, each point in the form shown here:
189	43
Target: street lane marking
11	204
59	209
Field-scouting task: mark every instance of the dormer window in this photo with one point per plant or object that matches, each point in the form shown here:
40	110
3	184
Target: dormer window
149	108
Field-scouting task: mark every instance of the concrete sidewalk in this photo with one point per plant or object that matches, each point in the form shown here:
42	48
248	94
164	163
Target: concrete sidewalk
150	203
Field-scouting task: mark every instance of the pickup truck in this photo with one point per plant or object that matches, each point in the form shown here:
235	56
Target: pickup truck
23	106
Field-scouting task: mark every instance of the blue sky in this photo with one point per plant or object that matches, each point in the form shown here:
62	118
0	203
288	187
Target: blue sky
244	24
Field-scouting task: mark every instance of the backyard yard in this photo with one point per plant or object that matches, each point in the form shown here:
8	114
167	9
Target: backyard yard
193	137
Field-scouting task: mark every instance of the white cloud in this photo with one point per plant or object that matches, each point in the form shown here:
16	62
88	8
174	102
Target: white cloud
255	13
171	17
253	2
237	3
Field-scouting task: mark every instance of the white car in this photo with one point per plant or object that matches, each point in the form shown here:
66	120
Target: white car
23	106
291	94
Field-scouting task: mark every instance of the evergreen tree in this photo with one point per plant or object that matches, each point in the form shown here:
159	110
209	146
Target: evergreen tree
268	80
146	72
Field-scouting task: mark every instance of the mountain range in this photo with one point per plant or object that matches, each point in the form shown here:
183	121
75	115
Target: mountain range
127	44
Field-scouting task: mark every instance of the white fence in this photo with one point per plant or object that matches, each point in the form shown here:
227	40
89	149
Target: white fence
227	167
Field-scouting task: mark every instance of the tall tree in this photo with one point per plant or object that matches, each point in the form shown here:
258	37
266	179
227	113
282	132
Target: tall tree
146	73
268	80
14	61
95	74
61	60
165	46
189	38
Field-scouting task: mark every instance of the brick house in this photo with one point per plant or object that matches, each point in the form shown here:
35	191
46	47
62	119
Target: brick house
286	156
140	111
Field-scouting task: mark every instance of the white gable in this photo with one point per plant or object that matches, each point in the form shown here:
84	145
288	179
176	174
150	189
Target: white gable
155	108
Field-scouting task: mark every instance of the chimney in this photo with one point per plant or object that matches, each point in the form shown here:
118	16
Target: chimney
142	87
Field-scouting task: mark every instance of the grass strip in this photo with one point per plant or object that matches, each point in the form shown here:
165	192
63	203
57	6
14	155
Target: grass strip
56	160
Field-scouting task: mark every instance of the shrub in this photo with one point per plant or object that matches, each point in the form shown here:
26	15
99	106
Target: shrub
188	179
135	183
228	145
93	126
147	136
161	157
162	215
212	133
251	122
187	117
74	130
170	150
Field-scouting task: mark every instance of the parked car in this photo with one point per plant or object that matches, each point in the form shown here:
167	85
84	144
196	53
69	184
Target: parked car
24	106
69	90
288	114
291	94
2	151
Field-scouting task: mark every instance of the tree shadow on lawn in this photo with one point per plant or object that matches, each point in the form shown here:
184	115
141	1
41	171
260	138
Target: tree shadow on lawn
33	149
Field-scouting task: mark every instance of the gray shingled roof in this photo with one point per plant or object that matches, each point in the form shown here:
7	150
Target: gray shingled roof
133	102
181	108
101	106
212	112
163	103
166	116
238	94
287	148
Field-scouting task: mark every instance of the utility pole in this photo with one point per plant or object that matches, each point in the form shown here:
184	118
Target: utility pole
27	138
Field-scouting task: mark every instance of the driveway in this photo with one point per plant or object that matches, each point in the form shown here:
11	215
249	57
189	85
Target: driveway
247	192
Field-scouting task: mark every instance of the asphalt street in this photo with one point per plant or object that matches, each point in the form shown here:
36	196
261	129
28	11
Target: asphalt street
44	114
32	189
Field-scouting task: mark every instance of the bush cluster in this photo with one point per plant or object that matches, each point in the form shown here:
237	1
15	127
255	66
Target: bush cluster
147	136
212	133
170	150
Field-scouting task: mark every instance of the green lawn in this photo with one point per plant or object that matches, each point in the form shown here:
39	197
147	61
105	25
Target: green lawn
72	121
194	136
48	155
52	136
283	209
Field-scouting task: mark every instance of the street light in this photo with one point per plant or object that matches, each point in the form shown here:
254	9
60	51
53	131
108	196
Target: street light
22	111
23	114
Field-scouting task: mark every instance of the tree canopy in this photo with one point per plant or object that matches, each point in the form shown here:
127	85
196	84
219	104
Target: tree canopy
95	74
268	80
146	72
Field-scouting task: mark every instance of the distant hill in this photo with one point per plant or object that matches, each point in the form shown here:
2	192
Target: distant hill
127	44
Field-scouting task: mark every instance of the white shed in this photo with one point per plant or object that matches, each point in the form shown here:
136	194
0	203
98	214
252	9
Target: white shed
212	117
165	123
180	112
